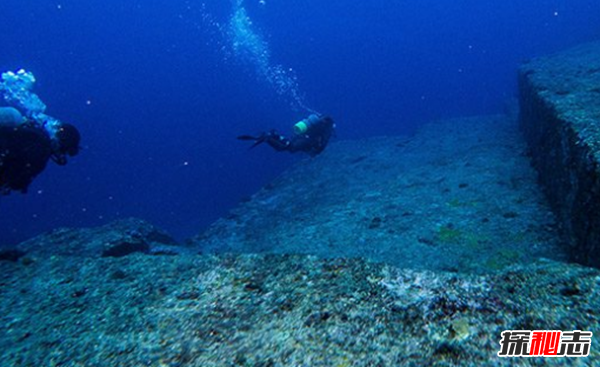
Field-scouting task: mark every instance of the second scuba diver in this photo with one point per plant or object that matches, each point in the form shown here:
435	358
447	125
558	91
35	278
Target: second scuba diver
28	137
311	136
25	148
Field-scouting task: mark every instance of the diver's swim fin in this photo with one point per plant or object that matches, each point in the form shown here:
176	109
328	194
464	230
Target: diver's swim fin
258	140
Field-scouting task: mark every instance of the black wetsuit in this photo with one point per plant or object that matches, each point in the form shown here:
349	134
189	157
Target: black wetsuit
24	153
313	141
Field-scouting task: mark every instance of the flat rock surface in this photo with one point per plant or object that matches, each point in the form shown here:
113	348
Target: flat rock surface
280	310
458	196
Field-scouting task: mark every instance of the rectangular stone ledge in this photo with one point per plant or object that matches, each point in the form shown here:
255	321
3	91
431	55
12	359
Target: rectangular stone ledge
559	99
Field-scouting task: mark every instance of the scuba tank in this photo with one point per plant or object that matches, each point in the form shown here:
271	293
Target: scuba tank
10	117
302	126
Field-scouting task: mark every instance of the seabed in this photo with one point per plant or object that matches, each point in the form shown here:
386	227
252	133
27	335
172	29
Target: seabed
390	251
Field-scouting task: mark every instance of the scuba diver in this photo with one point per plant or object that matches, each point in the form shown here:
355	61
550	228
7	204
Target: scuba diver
311	136
28	137
25	149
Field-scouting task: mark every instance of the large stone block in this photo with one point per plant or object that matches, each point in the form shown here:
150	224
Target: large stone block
560	118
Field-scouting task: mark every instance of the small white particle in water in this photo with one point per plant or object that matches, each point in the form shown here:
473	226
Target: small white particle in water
186	163
88	102
58	6
555	13
40	192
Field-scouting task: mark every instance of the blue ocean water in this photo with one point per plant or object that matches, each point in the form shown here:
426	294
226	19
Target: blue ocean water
160	89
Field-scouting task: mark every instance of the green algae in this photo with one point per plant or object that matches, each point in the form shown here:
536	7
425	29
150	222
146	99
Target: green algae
448	234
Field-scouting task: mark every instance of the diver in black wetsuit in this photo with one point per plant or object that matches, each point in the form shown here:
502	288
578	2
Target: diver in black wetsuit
311	136
26	147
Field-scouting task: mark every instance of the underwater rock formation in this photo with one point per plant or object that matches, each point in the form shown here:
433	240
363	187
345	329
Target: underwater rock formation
560	117
453	211
116	239
460	195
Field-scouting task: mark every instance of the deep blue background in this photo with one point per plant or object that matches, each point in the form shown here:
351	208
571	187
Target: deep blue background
159	107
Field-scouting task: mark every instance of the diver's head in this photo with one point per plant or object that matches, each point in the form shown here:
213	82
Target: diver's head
68	139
